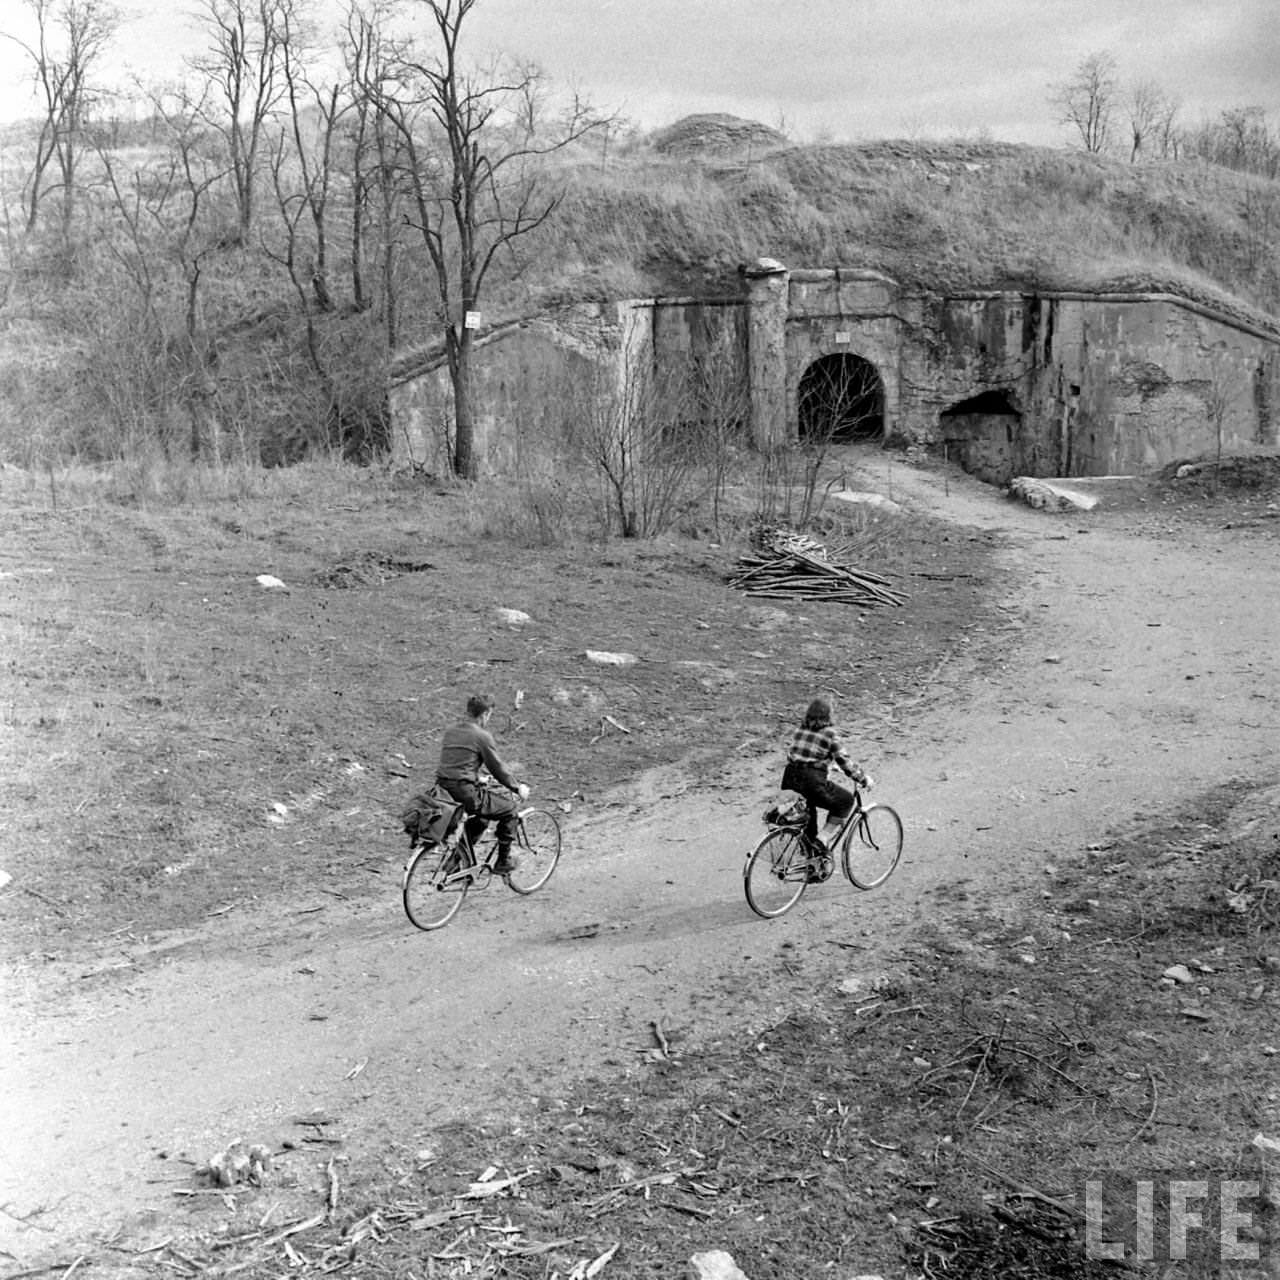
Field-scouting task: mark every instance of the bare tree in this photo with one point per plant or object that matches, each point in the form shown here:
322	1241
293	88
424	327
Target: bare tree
1250	144
169	214
1087	100
244	65
1149	113
647	444
313	154
1167	133
375	163
1240	138
71	36
475	143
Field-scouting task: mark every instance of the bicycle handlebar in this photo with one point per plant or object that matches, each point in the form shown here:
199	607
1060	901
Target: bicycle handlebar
485	779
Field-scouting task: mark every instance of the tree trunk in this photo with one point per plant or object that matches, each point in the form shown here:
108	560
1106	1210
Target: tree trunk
465	464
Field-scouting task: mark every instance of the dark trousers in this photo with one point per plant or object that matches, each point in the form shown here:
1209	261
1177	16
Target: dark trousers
811	781
483	804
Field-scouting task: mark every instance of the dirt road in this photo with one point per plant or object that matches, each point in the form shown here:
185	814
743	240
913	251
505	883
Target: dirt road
1138	666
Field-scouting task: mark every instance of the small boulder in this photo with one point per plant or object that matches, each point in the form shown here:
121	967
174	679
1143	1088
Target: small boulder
1049	495
605	659
860	498
716	1264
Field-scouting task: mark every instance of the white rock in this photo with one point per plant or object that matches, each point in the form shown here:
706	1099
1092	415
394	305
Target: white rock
605	659
513	617
877	500
715	1264
862	984
268	583
5	878
1050	495
1178	973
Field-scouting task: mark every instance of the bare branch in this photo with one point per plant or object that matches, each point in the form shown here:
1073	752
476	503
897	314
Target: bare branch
1087	100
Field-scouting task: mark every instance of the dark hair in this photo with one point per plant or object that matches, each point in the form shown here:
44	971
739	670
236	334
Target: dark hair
478	704
818	714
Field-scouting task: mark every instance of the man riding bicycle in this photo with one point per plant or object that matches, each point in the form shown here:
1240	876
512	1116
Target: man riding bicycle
466	747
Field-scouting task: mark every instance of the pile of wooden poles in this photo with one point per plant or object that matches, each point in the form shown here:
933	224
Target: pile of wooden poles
791	566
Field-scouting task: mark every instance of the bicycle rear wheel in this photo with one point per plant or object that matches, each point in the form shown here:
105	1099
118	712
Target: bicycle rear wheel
873	847
777	872
431	899
537	850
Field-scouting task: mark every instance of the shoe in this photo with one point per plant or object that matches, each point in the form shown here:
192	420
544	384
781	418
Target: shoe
821	872
505	864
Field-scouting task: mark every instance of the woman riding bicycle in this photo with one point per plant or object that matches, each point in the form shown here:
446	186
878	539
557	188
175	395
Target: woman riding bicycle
463	750
814	746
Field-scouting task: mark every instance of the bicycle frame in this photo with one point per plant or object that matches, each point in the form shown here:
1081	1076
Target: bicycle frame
843	835
480	855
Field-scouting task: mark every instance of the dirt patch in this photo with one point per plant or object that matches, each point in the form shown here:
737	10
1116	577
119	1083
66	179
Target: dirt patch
237	728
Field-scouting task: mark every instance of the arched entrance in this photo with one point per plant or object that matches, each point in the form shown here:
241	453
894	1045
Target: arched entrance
841	400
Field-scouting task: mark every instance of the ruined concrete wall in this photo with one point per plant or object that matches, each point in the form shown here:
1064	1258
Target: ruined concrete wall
1089	384
1097	384
700	356
1131	384
530	377
957	349
525	378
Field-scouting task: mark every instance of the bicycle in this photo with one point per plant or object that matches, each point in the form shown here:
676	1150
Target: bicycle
786	861
439	875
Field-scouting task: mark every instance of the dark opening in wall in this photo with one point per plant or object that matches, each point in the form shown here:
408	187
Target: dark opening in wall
983	402
841	398
982	434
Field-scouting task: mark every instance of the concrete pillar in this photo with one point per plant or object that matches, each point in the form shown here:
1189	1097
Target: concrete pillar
767	284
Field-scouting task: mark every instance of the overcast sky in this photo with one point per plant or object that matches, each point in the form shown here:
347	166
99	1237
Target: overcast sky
847	69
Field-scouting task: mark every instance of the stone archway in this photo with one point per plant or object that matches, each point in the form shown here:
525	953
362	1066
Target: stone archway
841	400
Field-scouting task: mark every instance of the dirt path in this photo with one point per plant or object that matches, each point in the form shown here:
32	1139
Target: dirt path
1136	669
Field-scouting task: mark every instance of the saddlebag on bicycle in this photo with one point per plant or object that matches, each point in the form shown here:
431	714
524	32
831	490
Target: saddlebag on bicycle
787	813
430	816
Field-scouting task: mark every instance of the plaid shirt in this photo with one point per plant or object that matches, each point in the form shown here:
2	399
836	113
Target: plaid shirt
818	746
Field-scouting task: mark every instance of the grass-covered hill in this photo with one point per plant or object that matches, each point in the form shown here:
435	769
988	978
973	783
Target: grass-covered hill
665	219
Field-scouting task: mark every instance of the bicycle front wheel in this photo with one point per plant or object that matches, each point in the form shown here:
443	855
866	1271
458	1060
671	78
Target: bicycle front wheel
537	850
431	899
873	847
777	872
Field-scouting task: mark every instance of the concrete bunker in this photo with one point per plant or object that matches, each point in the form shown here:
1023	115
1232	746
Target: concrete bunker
982	435
1004	383
841	399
